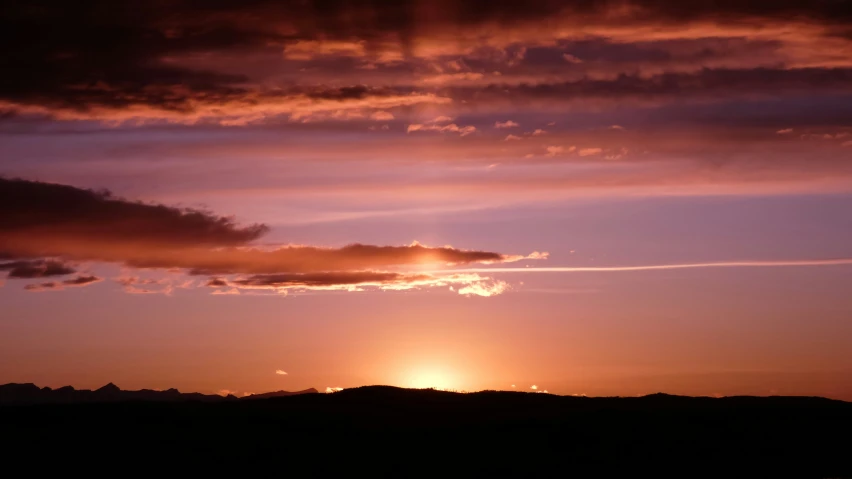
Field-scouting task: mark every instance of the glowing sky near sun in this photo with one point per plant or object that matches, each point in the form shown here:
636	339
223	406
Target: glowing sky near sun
602	198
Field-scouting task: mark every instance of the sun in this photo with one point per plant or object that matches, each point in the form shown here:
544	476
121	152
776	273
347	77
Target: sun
425	378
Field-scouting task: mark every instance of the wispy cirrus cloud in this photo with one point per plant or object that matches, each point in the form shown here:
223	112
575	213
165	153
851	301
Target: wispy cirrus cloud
450	128
604	269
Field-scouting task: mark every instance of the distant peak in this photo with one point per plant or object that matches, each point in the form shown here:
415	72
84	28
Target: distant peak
109	388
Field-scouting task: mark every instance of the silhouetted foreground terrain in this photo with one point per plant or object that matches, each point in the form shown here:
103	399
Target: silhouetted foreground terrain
383	430
32	394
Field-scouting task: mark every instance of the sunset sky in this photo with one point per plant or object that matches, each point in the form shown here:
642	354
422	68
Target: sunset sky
589	197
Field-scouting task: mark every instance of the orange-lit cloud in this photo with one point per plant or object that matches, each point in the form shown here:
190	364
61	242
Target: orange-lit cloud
464	284
484	288
244	108
65	222
589	151
451	128
381	116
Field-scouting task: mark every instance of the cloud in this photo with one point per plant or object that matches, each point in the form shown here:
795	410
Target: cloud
655	267
177	62
38	218
622	152
589	151
557	150
452	128
381	116
280	372
82	280
441	119
71	224
234	106
77	282
464	284
571	58
310	49
784	131
36	269
137	285
704	85
307	259
484	289
512	138
506	124
47	220
451	77
539	132
226	292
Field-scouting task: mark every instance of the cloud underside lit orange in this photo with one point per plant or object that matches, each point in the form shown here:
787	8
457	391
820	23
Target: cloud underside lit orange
464	283
67	224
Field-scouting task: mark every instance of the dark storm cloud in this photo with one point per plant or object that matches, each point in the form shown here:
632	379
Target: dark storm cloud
78	58
50	220
36	269
68	214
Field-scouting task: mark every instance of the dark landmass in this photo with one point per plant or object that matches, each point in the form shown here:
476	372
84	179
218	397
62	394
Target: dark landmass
384	431
31	394
278	394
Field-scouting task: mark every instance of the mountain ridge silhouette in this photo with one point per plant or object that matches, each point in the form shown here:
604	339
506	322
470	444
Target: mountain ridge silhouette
29	393
393	432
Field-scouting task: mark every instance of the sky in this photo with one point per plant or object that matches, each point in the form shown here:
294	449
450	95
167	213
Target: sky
580	197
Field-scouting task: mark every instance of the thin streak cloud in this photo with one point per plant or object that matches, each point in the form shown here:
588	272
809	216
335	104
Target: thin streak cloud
592	269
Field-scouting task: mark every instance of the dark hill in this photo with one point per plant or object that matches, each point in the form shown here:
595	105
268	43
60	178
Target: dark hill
385	431
32	394
278	394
